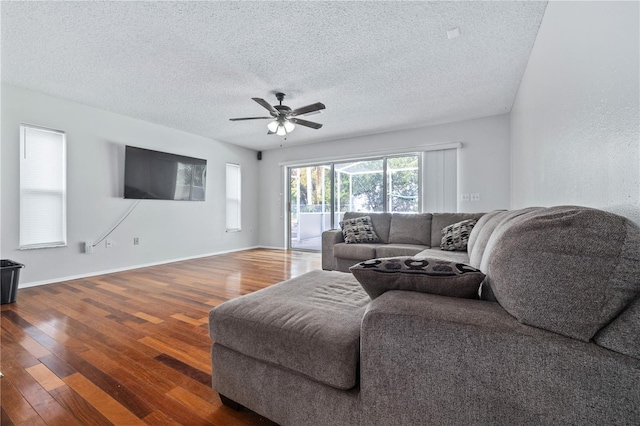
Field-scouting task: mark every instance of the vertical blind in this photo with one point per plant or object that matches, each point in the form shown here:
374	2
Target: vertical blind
233	198
439	177
43	188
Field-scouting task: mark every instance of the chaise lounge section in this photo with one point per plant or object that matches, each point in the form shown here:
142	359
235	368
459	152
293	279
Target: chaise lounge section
553	340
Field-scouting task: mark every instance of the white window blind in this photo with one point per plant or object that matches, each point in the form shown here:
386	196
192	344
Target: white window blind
439	177
234	200
43	188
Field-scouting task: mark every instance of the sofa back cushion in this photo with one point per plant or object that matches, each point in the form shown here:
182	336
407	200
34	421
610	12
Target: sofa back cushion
623	334
567	269
484	228
485	221
441	220
381	223
411	229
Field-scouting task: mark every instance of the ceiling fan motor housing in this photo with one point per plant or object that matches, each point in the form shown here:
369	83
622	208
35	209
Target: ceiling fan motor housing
283	109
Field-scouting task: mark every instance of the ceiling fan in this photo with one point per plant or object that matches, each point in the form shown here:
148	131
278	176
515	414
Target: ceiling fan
284	118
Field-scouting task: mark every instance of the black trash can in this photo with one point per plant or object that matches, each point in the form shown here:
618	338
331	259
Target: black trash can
9	278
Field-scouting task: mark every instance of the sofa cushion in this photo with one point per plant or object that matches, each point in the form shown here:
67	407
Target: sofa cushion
358	230
567	269
479	238
355	251
436	253
410	229
422	275
623	334
484	228
381	223
455	237
391	250
477	229
309	324
440	220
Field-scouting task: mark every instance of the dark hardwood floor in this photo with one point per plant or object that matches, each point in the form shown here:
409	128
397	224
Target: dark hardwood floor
131	347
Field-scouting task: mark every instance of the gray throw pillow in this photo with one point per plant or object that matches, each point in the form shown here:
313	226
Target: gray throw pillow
456	235
358	230
427	275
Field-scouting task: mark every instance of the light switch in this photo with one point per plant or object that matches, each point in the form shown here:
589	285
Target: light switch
464	197
475	197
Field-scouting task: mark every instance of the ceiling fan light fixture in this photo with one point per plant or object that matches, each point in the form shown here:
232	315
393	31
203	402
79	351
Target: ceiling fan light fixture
281	131
289	126
273	126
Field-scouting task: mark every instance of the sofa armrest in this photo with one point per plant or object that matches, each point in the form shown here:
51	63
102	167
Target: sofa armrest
462	361
329	239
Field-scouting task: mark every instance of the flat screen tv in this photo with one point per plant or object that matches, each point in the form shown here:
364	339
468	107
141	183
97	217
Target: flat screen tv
156	175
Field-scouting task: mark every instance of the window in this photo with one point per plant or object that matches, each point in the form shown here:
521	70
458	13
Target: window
403	176
359	186
387	184
234	201
43	187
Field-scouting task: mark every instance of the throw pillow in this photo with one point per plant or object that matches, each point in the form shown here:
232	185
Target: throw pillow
427	275
456	236
358	230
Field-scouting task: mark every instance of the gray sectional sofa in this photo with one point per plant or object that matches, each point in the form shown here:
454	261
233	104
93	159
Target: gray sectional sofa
400	234
554	340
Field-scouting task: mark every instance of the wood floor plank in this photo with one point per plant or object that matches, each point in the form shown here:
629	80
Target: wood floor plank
186	369
59	367
84	412
33	347
158	418
198	405
5	420
45	377
102	401
46	407
198	361
130	347
188	319
16	408
150	318
18	352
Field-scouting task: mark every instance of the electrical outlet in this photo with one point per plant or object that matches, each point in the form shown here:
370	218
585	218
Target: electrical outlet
475	197
88	247
136	241
108	244
464	197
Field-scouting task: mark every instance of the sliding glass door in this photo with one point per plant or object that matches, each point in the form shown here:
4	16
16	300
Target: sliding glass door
359	186
403	184
319	195
309	206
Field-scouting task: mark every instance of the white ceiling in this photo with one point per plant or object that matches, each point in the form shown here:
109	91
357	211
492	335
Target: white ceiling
377	66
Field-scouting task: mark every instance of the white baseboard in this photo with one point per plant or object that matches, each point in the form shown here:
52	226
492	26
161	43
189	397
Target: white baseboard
128	268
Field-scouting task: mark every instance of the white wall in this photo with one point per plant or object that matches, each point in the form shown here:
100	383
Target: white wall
168	230
574	124
483	165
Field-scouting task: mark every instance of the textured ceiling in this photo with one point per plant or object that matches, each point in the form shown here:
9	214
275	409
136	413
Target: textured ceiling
377	66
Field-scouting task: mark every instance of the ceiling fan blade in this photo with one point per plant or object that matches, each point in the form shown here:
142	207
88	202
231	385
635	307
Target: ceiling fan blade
266	104
305	123
250	118
307	109
269	132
